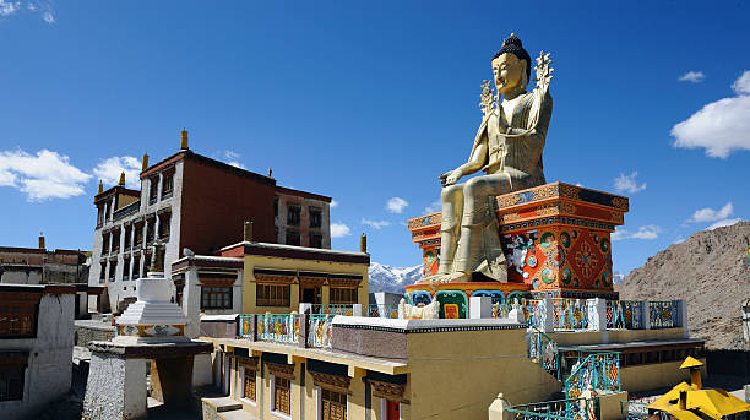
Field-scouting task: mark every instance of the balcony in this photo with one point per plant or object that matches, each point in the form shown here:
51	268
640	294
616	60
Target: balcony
131	208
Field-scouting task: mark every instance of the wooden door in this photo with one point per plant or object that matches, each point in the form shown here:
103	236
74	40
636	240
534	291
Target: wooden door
394	410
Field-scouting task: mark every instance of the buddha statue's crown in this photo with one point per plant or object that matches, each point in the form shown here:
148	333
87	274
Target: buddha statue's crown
513	45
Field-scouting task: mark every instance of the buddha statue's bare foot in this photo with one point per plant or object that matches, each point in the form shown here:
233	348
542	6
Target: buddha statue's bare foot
457	277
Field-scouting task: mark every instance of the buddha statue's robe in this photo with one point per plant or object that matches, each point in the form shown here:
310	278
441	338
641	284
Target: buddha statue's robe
514	135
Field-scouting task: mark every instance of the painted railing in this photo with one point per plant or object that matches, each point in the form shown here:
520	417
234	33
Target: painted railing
389	311
663	313
210	412
542	347
500	311
333	309
570	409
601	371
625	314
277	328
244	328
570	314
530	308
319	333
633	410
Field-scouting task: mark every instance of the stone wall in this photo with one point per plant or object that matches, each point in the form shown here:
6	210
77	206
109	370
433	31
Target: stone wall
106	395
87	331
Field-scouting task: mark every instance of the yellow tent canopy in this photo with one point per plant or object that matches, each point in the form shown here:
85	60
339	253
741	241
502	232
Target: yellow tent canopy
712	402
690	362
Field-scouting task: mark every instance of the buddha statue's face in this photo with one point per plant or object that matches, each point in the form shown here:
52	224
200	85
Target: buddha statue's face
509	73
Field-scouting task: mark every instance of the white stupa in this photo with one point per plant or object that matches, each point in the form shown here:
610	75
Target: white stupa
152	318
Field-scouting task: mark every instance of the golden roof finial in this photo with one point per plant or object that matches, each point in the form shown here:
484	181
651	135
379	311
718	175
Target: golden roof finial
184	140
144	161
101	187
122	179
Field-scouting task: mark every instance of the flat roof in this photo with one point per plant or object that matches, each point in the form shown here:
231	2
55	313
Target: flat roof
283	247
386	366
633	345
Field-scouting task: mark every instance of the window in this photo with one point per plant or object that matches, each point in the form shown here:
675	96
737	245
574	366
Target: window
272	295
102	271
99	215
137	266
138	234
11	383
154	192
105	243
248	390
293	215
126	269
333	405
128	230
316	217
150	230
146	264
18	319
112	269
167	183
343	296
116	241
164	220
216	297
281	395
292	237
316	240
276	206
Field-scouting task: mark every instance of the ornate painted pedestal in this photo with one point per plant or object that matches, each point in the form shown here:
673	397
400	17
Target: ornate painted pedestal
556	239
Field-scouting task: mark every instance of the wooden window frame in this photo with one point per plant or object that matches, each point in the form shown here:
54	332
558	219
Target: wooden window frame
153	193
167	181
224	293
316	240
249	371
275	384
8	376
292	233
19	315
263	296
316	217
337	296
165	219
291	210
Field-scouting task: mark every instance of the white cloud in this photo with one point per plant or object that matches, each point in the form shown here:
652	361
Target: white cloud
644	232
48	17
708	214
7	8
396	205
725	222
109	170
720	127
230	157
692	76
334	203
375	225
432	208
742	85
620	233
627	183
339	230
44	176
647	232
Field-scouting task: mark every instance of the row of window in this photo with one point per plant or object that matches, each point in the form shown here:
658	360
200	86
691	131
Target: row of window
133	271
294	214
133	233
278	295
333	404
293	238
167	186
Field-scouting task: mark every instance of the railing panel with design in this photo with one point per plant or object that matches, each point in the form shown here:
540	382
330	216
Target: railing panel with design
632	410
334	309
245	326
570	314
530	308
544	348
319	333
389	311
598	370
663	313
570	409
210	412
282	328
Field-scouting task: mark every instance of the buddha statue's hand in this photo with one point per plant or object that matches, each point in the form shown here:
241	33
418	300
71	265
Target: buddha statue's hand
454	176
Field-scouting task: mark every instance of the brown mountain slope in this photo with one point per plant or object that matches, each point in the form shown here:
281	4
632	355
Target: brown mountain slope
710	271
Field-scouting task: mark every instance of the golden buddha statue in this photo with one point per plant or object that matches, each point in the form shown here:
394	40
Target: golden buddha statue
508	147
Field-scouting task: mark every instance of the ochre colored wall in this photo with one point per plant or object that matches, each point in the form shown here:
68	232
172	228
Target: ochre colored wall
457	375
655	375
596	337
248	284
215	205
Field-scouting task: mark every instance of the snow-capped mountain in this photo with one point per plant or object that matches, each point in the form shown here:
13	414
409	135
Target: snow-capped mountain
385	278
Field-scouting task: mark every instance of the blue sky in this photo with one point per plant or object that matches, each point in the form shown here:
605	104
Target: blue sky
371	101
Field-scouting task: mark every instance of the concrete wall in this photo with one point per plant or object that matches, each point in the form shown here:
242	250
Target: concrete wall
21	274
457	375
655	375
87	331
110	393
620	336
48	375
